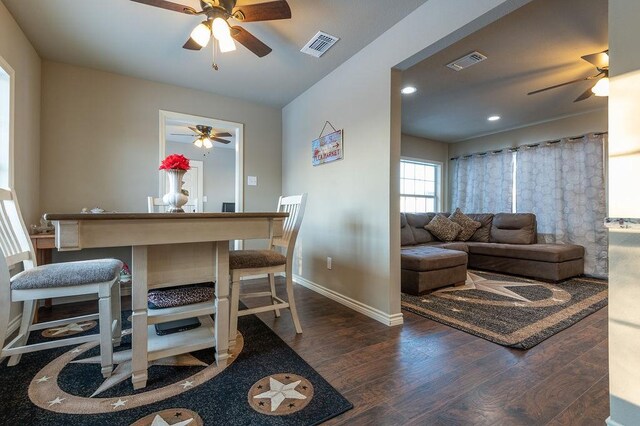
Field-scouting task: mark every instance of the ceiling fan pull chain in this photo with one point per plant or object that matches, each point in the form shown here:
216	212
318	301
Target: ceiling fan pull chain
213	48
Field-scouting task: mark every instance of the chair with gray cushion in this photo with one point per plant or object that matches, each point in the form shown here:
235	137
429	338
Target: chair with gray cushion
99	277
272	261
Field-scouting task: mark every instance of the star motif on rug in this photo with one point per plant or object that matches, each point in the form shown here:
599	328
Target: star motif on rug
159	421
278	392
123	370
56	401
70	327
119	403
476	282
43	379
186	384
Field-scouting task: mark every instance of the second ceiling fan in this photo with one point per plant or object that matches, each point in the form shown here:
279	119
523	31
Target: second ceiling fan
205	136
600	86
216	25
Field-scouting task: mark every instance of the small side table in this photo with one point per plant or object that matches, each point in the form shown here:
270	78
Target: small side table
43	244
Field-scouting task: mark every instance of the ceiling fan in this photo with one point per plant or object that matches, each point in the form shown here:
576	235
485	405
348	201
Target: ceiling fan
216	25
600	87
205	136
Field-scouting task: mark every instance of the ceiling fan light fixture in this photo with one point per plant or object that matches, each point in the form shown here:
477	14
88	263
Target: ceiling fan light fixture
201	34
207	143
227	45
602	87
220	29
198	142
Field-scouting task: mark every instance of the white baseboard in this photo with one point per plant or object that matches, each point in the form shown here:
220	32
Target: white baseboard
376	314
610	422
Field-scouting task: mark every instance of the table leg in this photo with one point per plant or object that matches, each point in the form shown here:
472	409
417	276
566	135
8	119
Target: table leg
139	316
222	302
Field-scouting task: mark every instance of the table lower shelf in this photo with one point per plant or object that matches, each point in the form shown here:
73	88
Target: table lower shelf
181	342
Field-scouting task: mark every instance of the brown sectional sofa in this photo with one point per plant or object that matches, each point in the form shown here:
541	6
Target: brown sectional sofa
506	242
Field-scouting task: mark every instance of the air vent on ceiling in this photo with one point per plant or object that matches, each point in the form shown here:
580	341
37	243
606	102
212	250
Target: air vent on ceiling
319	44
466	61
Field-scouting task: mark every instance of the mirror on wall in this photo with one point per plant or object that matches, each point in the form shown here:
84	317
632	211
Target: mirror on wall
213	148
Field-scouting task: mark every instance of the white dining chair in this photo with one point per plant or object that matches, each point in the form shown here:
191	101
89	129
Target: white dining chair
155	204
272	261
100	277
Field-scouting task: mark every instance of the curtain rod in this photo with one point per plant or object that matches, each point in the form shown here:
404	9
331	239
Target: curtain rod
533	145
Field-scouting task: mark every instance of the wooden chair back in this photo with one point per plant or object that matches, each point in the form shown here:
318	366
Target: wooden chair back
294	205
15	244
154	203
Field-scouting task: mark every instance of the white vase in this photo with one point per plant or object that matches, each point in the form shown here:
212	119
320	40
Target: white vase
175	198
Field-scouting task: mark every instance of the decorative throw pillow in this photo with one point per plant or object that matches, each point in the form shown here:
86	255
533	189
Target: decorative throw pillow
180	296
443	228
469	226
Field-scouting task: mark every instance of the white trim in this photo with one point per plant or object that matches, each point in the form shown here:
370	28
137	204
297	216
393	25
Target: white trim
12	115
439	179
371	312
237	129
610	422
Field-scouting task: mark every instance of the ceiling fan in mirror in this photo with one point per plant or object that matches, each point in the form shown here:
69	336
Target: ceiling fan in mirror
205	136
600	86
216	25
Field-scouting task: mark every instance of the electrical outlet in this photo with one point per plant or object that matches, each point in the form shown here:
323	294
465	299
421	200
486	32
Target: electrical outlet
328	263
252	180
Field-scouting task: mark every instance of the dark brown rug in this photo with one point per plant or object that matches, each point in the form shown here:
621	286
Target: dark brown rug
511	311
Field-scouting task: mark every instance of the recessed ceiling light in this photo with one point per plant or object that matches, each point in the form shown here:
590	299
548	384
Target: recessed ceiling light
494	118
408	90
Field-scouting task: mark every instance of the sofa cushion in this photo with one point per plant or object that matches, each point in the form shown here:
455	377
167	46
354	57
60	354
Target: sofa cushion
428	258
443	228
513	228
483	234
469	226
406	234
454	245
416	222
539	252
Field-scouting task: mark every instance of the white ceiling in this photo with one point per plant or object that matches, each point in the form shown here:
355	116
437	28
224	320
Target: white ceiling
146	42
536	46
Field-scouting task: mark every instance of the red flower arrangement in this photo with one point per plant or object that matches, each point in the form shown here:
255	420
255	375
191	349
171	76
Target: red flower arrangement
175	161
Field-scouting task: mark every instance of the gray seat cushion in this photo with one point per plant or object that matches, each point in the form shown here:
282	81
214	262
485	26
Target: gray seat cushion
428	258
455	245
67	274
541	252
242	259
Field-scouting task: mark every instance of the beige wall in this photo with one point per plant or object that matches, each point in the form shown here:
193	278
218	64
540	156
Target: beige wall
22	57
352	213
429	150
624	245
593	121
100	139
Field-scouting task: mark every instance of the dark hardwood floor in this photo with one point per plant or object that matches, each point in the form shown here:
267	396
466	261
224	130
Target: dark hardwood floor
426	373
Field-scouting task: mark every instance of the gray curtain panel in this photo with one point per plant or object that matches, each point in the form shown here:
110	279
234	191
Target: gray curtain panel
564	185
483	183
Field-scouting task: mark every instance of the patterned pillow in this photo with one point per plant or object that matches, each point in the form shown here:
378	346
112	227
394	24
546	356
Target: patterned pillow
180	296
443	229
469	226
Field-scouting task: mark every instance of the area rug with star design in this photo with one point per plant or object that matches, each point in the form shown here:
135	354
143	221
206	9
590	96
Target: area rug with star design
511	311
264	383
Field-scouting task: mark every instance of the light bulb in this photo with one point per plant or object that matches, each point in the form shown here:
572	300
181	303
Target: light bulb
220	29
198	142
208	143
227	44
201	34
602	87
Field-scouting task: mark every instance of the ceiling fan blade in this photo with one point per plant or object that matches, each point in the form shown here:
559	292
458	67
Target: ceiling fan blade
249	41
163	4
586	94
191	45
195	130
181	134
263	11
600	60
222	135
565	84
220	140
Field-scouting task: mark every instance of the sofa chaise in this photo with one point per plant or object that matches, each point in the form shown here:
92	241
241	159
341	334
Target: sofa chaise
505	242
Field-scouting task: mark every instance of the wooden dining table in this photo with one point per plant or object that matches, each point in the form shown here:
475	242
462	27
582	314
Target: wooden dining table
170	249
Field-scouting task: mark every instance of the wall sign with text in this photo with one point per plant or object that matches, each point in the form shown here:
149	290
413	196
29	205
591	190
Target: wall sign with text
327	148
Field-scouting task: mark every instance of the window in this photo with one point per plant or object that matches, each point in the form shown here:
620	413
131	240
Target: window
5	122
420	186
